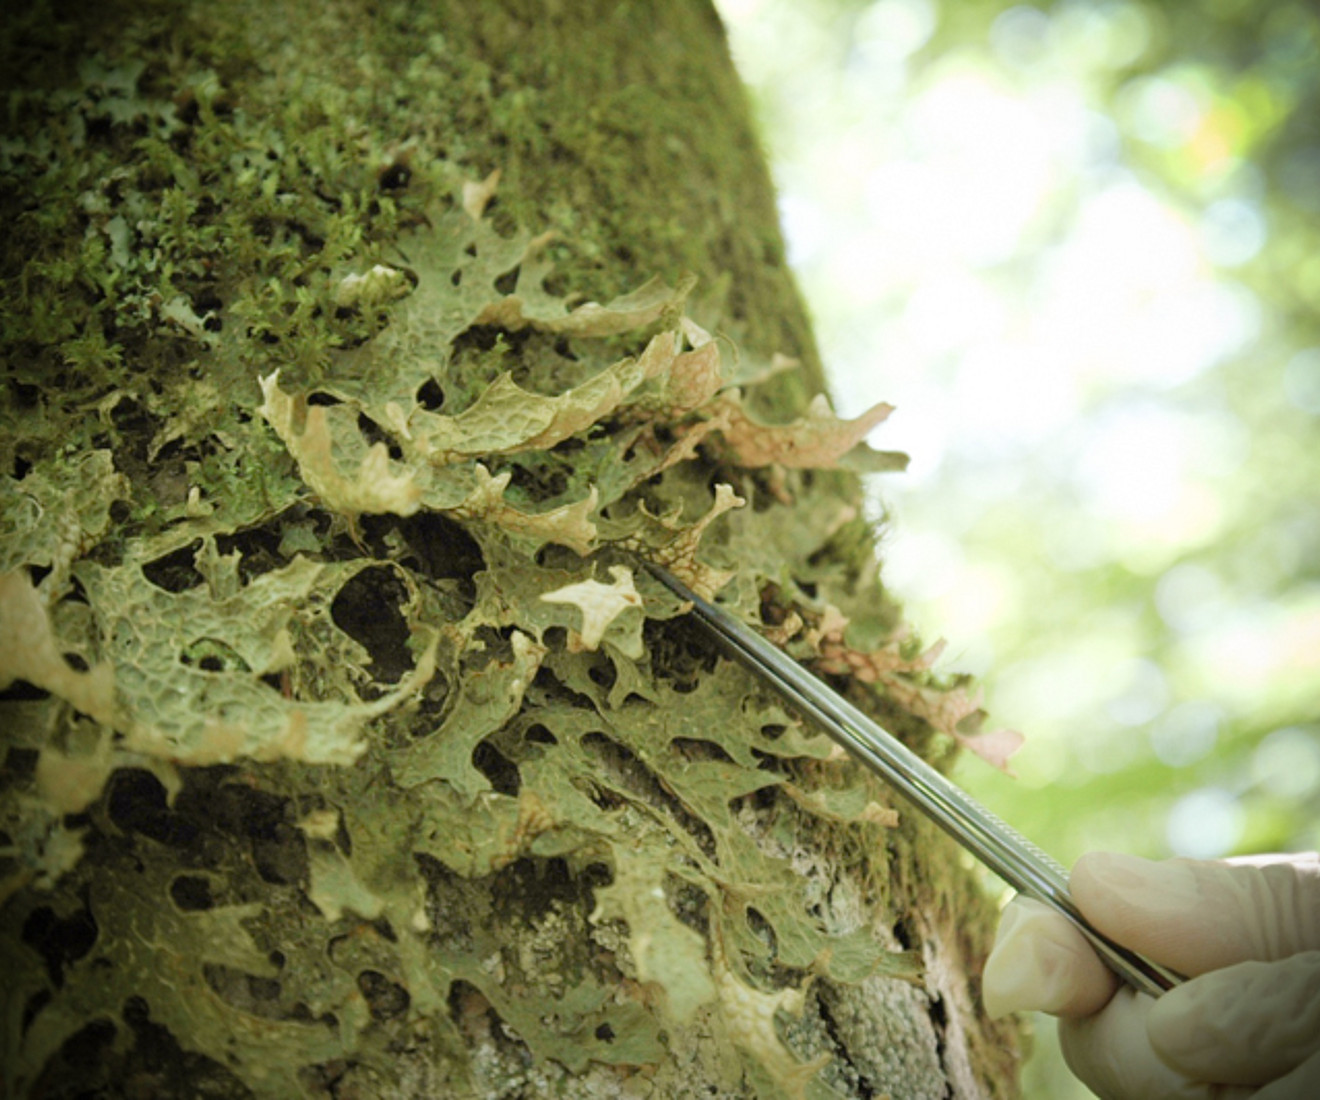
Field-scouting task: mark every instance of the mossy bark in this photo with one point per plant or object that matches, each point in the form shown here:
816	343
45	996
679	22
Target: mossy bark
186	185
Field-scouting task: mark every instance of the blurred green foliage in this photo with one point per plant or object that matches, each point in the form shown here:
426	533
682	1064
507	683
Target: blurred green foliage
1078	245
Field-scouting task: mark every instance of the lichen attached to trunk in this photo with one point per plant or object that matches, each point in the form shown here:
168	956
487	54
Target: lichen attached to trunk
348	750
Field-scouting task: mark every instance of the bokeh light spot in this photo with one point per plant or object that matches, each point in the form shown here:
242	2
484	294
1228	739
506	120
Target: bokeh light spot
1188	733
1205	824
1142	692
1162	111
1189	597
1232	232
1287	762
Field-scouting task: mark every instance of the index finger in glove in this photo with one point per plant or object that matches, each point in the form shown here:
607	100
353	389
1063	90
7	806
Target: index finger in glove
1195	915
1111	1052
1246	1024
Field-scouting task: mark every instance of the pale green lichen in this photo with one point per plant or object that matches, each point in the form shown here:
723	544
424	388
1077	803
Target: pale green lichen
403	790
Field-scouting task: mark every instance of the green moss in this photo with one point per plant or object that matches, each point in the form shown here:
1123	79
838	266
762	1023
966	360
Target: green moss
622	123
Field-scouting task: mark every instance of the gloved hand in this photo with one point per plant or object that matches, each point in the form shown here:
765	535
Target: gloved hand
1247	934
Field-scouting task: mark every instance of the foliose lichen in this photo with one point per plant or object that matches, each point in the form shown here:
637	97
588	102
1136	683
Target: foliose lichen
347	748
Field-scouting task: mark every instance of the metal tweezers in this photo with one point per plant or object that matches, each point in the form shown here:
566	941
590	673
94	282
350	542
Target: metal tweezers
997	845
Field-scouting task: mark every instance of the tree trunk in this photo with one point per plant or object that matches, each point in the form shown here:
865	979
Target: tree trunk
348	752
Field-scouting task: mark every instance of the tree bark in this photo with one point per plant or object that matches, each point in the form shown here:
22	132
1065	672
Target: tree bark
353	351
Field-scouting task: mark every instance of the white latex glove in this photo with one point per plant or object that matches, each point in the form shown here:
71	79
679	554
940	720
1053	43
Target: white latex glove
1247	932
